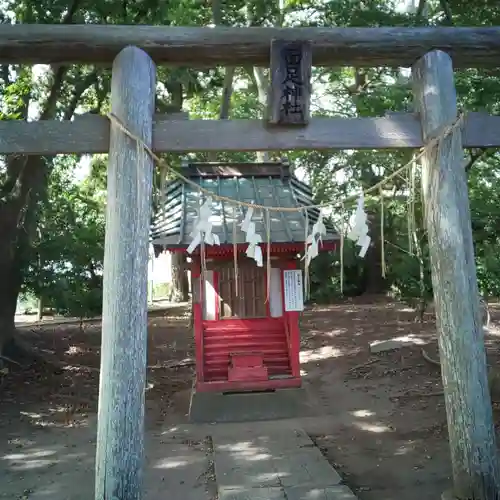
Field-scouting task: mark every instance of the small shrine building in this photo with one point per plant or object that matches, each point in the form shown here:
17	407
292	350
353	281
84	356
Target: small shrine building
246	313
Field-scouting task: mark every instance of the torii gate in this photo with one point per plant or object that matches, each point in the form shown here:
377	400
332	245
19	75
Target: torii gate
120	448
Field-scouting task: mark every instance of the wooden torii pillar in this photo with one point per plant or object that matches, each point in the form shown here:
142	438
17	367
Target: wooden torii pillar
120	434
461	339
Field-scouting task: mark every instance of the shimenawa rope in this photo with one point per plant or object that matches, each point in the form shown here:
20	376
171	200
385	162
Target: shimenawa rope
407	168
428	147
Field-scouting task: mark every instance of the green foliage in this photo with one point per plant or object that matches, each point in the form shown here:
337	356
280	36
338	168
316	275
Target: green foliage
160	291
59	245
65	260
485	213
325	275
67	255
333	176
410	276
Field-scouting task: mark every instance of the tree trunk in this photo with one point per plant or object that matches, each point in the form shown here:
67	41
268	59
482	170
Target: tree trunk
227	89
180	283
225	106
20	196
39	315
258	76
18	211
9	292
374	282
20	193
423	298
261	82
180	286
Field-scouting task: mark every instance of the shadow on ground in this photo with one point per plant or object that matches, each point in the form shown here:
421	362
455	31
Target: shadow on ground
58	464
376	417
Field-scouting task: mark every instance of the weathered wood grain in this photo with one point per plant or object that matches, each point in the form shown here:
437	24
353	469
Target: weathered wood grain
202	47
461	343
85	134
290	88
233	169
171	134
120	436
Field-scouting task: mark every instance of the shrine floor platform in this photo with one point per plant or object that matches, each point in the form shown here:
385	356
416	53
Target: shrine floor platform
208	407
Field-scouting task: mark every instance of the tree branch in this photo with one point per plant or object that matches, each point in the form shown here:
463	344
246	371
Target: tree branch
60	72
5	74
361	82
125	11
68	18
227	92
227	89
79	90
217	12
142	14
262	85
447	11
49	109
420	10
15	165
476	155
176	91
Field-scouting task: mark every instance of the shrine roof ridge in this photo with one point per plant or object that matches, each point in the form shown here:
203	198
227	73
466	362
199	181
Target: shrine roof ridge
279	169
267	184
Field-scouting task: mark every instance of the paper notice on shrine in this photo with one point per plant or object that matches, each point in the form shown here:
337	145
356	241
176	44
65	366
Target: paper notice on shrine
294	290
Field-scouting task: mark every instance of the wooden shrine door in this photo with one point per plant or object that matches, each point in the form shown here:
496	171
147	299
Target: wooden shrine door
247	299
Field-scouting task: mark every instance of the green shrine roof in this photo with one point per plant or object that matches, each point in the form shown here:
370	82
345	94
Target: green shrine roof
267	184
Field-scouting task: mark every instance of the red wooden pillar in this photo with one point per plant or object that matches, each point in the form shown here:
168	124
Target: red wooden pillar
198	298
292	324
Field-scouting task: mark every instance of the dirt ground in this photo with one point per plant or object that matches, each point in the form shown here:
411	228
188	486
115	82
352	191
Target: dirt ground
379	421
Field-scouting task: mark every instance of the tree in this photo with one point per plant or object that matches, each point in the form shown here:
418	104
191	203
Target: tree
67	254
57	94
37	200
25	178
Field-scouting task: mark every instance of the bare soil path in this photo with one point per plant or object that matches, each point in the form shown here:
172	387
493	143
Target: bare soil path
377	420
